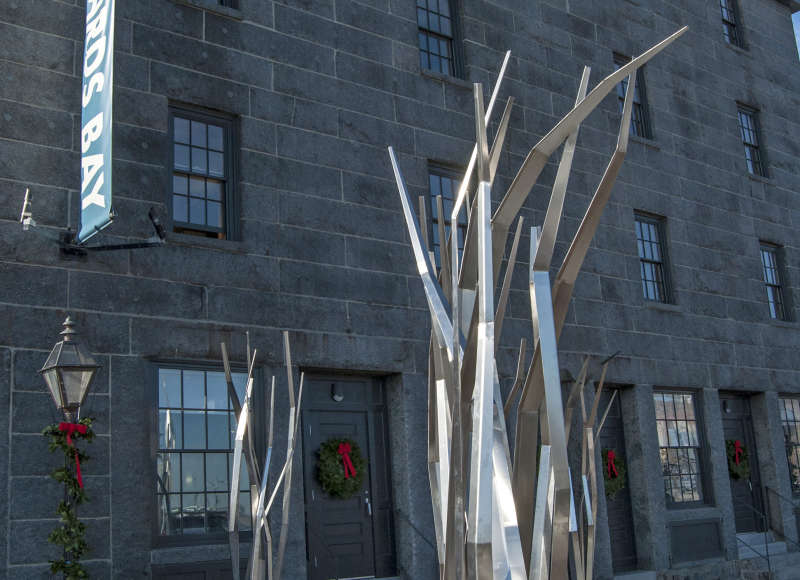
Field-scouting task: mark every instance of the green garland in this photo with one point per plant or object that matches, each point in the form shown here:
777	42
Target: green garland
330	468
742	469
614	483
70	535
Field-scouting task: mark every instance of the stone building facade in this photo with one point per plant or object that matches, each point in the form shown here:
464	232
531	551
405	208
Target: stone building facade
257	130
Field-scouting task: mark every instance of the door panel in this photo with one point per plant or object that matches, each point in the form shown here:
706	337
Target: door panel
352	538
339	530
620	513
737	424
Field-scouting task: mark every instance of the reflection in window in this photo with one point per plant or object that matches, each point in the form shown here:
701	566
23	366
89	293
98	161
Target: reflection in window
730	28
200	173
435	24
679	446
748	130
445	182
772	281
640	121
196	432
790	418
652	258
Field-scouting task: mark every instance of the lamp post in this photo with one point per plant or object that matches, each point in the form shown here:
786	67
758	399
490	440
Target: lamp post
68	372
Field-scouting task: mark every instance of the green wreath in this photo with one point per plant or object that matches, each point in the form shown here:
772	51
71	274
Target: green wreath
331	468
739	470
616	481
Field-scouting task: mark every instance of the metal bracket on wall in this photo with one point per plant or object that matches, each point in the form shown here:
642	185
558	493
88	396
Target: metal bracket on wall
66	240
71	248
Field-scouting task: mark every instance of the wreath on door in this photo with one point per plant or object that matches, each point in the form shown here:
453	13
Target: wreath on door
613	472
738	461
340	467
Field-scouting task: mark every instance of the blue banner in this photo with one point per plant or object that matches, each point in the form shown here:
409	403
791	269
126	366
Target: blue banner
96	97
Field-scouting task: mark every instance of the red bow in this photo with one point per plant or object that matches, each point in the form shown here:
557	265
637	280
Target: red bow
610	464
344	451
737	451
71	428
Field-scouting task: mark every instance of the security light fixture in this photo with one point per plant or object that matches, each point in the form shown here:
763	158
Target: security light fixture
68	372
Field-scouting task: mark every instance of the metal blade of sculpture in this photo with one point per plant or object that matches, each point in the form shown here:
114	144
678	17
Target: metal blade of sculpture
260	506
494	516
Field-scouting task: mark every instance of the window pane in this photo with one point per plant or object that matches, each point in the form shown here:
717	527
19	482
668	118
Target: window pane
199	163
169	509
169	388
180	184
182	157
215	141
193	389
216	164
217	391
194	511
181	130
194	429
193	479
180	208
217	512
217	472
214	217
197	211
218	430
170	429
169	472
198	134
197	187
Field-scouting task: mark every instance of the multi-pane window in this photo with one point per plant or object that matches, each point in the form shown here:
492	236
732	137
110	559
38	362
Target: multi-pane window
445	183
772	280
196	432
790	418
202	178
640	121
748	129
679	446
652	257
730	24
436	28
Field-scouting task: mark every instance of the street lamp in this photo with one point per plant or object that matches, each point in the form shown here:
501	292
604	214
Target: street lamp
68	372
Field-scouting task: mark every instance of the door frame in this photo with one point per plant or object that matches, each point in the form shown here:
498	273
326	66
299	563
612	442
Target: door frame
757	487
375	407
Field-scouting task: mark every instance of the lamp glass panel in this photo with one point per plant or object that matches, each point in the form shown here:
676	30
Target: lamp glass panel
53	384
74	381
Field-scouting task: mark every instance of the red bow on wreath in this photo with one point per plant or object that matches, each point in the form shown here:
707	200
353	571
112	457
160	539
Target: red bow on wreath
610	464
344	451
737	451
71	428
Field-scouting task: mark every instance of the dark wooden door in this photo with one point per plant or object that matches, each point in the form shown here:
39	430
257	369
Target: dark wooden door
353	537
620	513
737	425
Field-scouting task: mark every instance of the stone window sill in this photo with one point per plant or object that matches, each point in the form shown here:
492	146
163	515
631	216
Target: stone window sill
461	83
650	143
179	239
782	323
212	6
760	178
662	306
737	49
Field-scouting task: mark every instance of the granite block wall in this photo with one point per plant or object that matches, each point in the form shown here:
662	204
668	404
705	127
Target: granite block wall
318	88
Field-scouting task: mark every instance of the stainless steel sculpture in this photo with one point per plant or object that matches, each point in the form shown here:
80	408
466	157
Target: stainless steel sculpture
261	554
494	516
